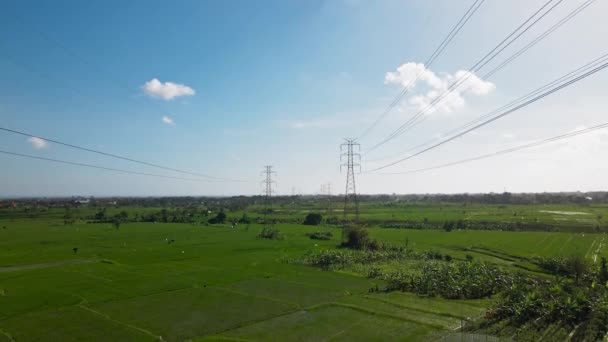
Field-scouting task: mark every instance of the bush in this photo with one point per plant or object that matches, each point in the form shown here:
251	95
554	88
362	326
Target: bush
320	235
572	266
432	255
358	238
340	258
453	280
313	219
270	233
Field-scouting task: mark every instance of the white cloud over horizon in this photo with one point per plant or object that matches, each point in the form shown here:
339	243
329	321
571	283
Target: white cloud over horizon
37	143
412	74
166	90
168	120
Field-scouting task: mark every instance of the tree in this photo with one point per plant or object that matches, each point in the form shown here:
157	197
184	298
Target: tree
219	218
358	238
116	222
604	272
448	226
313	219
577	266
101	214
68	218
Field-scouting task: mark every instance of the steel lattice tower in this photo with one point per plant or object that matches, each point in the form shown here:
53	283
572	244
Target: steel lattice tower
353	159
268	189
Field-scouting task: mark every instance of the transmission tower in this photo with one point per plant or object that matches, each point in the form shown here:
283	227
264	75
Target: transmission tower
268	183
353	160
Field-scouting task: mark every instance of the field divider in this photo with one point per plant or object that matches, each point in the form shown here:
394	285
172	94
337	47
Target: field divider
249	323
402	306
143	295
347	328
142	330
295	305
376	313
15	268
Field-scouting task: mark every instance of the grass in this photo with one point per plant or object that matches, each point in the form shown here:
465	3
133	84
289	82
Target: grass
215	282
332	323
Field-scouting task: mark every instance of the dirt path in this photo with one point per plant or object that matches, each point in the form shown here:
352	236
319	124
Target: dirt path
43	265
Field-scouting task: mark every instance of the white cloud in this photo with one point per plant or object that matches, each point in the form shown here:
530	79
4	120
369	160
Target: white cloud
411	74
166	90
167	120
37	143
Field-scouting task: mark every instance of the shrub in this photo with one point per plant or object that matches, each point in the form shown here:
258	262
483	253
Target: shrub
270	233
339	258
432	255
358	238
313	219
332	220
454	280
320	235
572	266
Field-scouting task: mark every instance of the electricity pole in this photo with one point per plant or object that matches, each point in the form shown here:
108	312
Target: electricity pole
353	159
268	190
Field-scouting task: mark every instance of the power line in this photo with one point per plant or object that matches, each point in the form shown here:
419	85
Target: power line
100	167
590	65
526	103
116	156
518	53
442	46
540	37
506	42
505	151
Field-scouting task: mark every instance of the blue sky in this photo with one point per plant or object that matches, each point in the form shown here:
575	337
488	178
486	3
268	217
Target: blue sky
281	83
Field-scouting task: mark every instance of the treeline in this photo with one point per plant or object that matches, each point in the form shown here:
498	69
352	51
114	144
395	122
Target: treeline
179	215
473	225
234	203
497	198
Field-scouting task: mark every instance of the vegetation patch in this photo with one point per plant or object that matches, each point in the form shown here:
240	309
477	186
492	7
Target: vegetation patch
270	233
313	219
320	235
